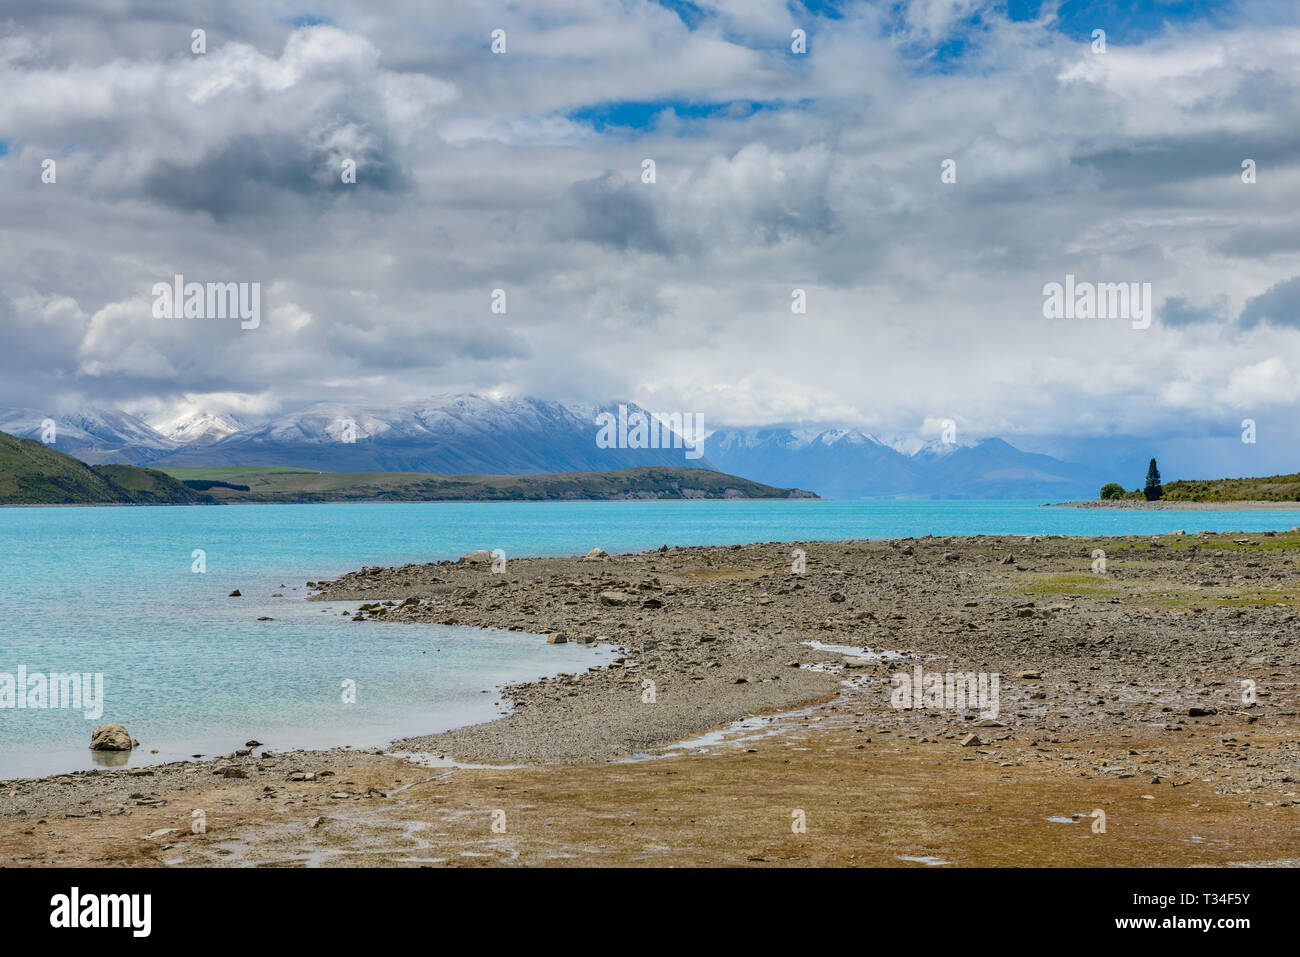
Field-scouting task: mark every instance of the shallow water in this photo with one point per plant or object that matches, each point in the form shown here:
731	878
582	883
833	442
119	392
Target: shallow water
190	670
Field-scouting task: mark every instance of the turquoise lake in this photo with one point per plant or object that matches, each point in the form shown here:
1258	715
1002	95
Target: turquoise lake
190	670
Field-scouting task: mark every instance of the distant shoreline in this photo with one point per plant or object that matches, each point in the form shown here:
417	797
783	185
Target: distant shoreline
1175	506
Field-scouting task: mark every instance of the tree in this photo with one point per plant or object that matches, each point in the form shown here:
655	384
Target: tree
1112	490
1153	490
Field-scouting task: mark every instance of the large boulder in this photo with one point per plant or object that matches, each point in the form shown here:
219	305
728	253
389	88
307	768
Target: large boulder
480	557
597	554
614	598
111	737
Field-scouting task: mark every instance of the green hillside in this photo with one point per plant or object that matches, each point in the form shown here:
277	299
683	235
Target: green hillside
297	485
34	474
1272	488
1269	488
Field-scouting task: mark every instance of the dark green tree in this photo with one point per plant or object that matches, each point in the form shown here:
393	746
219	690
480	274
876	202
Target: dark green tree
1152	490
1112	490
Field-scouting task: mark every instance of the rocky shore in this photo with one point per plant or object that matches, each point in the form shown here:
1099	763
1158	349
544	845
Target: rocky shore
722	632
1155	678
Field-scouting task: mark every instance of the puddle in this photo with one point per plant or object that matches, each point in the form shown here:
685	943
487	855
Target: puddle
854	651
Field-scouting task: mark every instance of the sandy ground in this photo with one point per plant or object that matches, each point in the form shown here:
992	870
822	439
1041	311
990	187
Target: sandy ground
1121	692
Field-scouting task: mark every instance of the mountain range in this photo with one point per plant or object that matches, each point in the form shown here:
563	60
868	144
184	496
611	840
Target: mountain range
476	434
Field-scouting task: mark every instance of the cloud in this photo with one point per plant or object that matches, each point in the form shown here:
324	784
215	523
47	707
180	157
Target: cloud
1177	311
609	211
477	172
1278	306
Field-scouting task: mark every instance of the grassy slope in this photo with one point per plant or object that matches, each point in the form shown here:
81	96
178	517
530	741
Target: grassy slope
34	474
1273	488
297	485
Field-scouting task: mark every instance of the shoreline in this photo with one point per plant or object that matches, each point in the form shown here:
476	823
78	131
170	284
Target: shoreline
1118	690
1174	505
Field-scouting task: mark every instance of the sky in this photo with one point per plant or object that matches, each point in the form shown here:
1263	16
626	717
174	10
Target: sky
774	171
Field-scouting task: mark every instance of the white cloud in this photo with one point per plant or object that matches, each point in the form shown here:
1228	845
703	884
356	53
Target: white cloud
477	172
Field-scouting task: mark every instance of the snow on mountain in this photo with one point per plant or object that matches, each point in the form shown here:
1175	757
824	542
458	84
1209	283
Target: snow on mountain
471	433
93	435
446	434
199	427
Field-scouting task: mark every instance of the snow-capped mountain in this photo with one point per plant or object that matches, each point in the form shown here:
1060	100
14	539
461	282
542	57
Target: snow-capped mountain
459	434
842	462
846	463
96	436
451	434
199	427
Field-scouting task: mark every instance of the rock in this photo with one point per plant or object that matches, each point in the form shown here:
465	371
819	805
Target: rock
971	741
1009	560
253	743
480	557
614	598
243	752
988	723
111	737
162	832
235	594
1197	712
837	596
556	638
1029	675
596	555
907	550
233	772
949	556
652	603
318	822
1179	531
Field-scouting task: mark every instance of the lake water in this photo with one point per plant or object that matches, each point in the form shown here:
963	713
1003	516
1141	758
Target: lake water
189	670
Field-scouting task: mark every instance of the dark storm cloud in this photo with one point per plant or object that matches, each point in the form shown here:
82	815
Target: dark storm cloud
254	174
612	212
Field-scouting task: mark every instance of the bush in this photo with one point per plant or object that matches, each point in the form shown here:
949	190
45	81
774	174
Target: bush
1112	490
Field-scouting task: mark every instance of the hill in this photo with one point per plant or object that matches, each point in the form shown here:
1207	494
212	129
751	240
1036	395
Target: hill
1272	488
33	474
262	484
